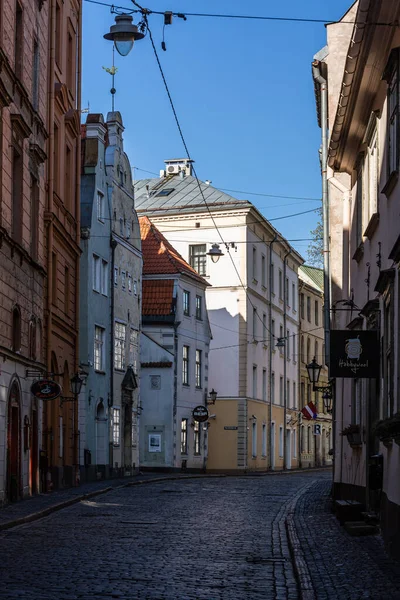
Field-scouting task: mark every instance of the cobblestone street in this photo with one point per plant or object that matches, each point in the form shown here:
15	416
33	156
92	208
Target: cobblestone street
210	538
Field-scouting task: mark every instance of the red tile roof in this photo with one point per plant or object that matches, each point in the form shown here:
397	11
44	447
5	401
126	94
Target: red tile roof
157	297
159	257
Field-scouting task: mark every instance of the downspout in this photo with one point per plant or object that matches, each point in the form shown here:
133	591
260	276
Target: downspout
271	441
110	399
323	92
285	300
300	420
175	402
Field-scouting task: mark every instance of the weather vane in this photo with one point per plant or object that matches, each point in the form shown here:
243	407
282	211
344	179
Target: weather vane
112	72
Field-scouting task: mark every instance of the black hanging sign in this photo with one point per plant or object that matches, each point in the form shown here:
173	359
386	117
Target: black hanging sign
354	353
45	389
200	413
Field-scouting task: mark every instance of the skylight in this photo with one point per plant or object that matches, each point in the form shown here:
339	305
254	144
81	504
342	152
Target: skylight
165	192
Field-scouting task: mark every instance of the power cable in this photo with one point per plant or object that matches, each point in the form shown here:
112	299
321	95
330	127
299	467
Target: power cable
184	15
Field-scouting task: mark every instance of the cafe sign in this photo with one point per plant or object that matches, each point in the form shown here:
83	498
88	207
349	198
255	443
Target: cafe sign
200	413
354	354
45	389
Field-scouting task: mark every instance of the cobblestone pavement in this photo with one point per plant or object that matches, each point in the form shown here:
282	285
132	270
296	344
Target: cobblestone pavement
220	538
342	566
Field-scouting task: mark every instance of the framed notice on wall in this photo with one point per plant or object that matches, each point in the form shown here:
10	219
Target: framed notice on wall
154	442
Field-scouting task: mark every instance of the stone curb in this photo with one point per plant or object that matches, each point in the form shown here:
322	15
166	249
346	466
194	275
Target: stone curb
301	569
66	503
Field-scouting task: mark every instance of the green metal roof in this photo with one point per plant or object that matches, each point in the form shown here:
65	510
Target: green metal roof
314	274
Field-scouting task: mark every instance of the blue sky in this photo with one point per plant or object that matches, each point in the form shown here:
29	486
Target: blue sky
243	93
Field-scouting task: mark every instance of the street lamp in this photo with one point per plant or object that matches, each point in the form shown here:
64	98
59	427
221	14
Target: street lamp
280	343
212	396
314	371
215	252
76	384
123	34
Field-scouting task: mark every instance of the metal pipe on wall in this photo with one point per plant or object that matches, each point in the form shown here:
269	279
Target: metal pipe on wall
271	440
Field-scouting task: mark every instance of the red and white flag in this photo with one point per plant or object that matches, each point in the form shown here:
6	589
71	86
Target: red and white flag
309	411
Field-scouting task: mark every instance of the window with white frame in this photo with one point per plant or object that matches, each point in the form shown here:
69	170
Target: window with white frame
281	441
96	273
309	309
254	381
129	283
254	265
197	438
135	287
199	311
280	284
104	277
128	229
119	345
316	312
99	333
116	270
100	207
273	387
116	426
185	365
263	271
301	306
264	325
186	303
287	344
281	391
123	280
273	334
287	392
254	439
294	399
272	278
359	204
184	444
393	112
264	385
198	258
287	298
198	368
254	323
281	338
264	441
294	303
371	174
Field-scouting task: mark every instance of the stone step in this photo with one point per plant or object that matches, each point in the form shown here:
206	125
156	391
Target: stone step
359	528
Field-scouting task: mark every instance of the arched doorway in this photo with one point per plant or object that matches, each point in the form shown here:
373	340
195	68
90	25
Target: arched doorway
14	444
101	434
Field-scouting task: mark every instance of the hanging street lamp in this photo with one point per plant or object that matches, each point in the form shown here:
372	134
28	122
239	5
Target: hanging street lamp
215	252
314	371
123	34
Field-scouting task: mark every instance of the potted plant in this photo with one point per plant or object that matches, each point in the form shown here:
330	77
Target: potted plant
388	429
353	434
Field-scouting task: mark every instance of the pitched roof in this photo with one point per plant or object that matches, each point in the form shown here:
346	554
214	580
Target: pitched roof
157	297
159	257
313	276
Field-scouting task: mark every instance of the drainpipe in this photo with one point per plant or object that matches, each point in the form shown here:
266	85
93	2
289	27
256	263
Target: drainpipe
323	90
110	399
285	299
300	414
271	441
175	403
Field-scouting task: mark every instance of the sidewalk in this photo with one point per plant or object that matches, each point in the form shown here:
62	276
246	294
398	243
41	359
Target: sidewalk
339	565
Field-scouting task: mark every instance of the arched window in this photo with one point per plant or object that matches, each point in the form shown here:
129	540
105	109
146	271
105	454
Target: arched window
308	350
39	333
16	329
316	352
32	338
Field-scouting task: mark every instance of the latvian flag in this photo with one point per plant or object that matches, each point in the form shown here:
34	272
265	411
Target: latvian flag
309	411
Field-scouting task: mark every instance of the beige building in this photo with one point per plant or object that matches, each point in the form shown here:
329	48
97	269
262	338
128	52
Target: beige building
315	442
360	66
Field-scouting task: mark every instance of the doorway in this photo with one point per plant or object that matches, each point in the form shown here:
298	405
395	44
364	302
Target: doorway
101	435
14	445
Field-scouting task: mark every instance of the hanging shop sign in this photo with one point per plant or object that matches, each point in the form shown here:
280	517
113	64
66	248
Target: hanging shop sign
200	413
354	354
45	389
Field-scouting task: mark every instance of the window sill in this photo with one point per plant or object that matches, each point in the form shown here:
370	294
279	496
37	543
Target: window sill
255	281
390	184
254	457
359	253
116	445
199	319
198	387
263	287
120	370
186	385
186	314
372	225
100	371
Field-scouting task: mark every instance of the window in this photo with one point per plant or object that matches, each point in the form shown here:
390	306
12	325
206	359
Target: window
186	303
198	368
302	356
35	208
287	342
302	306
129	283
302	394
316	312
96	273
280	285
100	207
264	385
70	61
198	258
35	75
254	439
293	296
119	345
18	40
197	441
128	230
294	399
393	114
302	440
371	206
288	392
281	392
56	158
184	448
185	365
104	277
66	290
121	226
294	443
198	308
308	392
359	204
316	352
287	291
135	287
264	325
32	339
254	381
281	338
272	277
273	334
281	441
165	192
116	426
133	348
308	350
294	345
263	272
68	178
264	441
254	323
254	265
123	280
17	207
309	309
54	268
273	387
115	276
58	36
99	348
16	329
